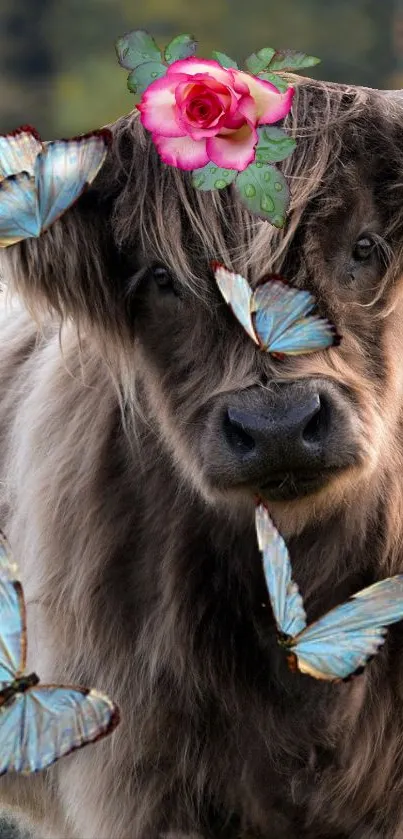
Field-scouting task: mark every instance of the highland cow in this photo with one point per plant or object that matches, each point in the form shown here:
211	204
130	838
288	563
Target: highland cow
137	424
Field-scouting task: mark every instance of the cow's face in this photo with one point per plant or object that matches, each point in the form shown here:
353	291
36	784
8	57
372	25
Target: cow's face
310	433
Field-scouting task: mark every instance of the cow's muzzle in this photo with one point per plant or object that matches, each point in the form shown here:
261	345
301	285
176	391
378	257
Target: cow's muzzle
284	441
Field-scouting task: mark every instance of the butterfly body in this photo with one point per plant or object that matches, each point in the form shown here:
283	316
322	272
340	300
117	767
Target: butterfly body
339	644
39	723
40	181
277	317
19	685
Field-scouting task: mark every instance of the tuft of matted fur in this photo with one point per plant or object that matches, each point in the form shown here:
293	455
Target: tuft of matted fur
142	575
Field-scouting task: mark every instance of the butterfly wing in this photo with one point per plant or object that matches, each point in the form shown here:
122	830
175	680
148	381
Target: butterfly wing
63	170
276	306
12	619
310	334
18	151
342	641
238	294
283	323
8	568
47	722
18	209
286	601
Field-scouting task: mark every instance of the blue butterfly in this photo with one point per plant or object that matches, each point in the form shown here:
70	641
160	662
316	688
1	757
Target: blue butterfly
341	642
40	181
38	723
276	316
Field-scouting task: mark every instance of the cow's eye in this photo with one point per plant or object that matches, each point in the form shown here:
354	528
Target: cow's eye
163	279
363	248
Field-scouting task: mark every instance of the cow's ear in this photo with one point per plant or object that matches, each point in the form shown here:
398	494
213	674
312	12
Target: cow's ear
67	269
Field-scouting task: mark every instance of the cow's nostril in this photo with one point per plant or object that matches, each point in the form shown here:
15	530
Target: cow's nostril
317	424
237	437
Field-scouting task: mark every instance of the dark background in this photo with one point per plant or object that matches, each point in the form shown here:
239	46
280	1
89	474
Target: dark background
58	69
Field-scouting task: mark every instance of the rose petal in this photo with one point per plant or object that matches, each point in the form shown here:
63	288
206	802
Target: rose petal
182	152
235	150
271	106
246	111
229	123
205	110
187	91
210	82
238	83
228	98
226	94
227	102
157	108
197	132
191	66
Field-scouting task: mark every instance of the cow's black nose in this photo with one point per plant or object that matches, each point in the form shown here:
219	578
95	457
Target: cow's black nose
287	436
281	441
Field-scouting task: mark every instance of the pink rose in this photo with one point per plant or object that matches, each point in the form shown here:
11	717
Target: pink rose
201	112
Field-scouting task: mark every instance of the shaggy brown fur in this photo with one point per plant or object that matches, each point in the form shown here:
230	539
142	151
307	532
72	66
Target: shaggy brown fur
139	565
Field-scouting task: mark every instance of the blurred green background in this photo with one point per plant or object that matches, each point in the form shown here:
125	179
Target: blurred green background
58	68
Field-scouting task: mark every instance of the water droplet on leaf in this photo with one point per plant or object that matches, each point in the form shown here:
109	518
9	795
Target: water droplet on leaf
220	183
168	56
267	204
267	176
258	164
278	187
250	191
199	181
154	75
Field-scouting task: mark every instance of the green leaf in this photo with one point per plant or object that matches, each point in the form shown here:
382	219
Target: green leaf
224	60
273	145
142	76
292	60
135	48
278	82
258	61
264	191
212	177
183	46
